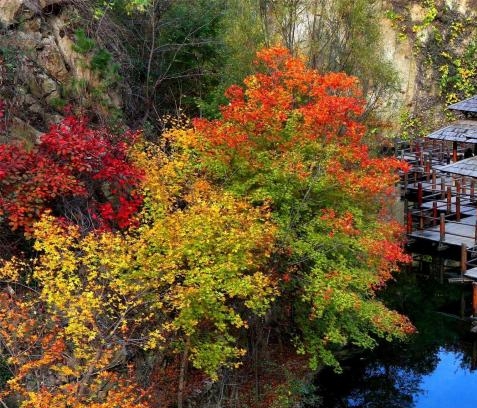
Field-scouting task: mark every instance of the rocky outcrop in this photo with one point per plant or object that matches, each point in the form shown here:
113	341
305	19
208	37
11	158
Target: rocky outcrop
428	44
403	61
42	71
10	9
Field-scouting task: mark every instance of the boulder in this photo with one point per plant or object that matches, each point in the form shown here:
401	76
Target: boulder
51	60
23	130
9	10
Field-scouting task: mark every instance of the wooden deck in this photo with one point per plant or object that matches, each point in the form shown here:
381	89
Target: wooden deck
440	192
471	274
456	234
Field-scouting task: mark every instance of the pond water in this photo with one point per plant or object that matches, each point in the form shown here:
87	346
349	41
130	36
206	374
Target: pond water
436	368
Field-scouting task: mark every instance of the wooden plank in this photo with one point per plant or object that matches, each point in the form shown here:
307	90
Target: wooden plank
465	208
463	259
456	234
460	280
471	274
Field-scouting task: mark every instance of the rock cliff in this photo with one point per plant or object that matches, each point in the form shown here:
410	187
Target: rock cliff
432	45
42	69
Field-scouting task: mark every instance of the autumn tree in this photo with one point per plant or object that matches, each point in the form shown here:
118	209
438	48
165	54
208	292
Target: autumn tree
185	281
336	36
291	139
275	209
77	172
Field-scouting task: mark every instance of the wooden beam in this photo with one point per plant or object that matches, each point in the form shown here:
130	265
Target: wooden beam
409	222
474	299
454	151
419	194
449	200
475	233
434	213
463	259
442	227
457	208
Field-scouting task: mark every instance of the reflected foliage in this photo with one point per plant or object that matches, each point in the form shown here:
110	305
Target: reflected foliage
391	376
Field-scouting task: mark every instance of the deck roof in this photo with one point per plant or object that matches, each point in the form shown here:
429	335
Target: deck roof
464	131
466	167
468	105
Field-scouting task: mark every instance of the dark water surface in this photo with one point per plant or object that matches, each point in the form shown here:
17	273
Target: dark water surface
436	368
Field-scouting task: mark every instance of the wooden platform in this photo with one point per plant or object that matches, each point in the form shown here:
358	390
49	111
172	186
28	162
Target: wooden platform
457	233
466	209
471	273
441	188
429	189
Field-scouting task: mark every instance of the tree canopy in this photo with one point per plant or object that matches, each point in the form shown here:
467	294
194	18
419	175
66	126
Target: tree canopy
276	211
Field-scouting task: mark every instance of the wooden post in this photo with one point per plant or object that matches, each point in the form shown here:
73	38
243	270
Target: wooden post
434	183
406	181
442	228
475	233
472	190
454	151
419	194
409	222
428	170
449	200
457	187
457	208
474	299
434	213
463	188
463	260
443	187
421	220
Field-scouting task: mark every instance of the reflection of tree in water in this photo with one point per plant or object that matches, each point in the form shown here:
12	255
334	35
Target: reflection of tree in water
386	386
467	350
391	375
371	386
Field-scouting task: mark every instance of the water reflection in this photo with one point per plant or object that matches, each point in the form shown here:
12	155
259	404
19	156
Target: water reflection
435	369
